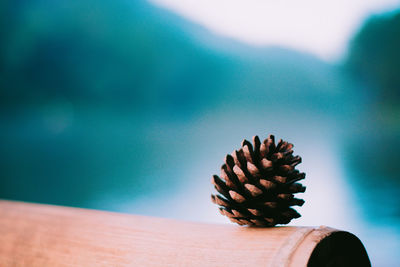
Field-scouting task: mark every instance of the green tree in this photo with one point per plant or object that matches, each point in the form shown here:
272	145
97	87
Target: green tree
374	56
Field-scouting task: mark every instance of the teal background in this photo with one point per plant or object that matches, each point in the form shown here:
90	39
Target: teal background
122	106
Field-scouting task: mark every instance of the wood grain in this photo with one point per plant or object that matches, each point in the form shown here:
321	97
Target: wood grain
44	235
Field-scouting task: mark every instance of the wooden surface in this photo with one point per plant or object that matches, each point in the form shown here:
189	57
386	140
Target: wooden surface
44	235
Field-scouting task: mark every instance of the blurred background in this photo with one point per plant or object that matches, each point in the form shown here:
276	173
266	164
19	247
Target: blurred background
131	106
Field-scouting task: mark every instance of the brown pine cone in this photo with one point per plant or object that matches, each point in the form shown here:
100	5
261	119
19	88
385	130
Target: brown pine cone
258	184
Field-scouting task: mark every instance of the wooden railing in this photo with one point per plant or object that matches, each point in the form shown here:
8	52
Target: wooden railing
44	235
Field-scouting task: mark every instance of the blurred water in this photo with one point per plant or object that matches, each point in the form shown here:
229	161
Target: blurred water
334	197
162	167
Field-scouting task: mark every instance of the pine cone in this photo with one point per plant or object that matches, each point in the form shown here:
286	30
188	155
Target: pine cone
258	184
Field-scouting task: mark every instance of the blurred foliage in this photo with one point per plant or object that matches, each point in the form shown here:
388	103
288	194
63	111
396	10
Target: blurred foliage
374	60
112	53
129	56
374	56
